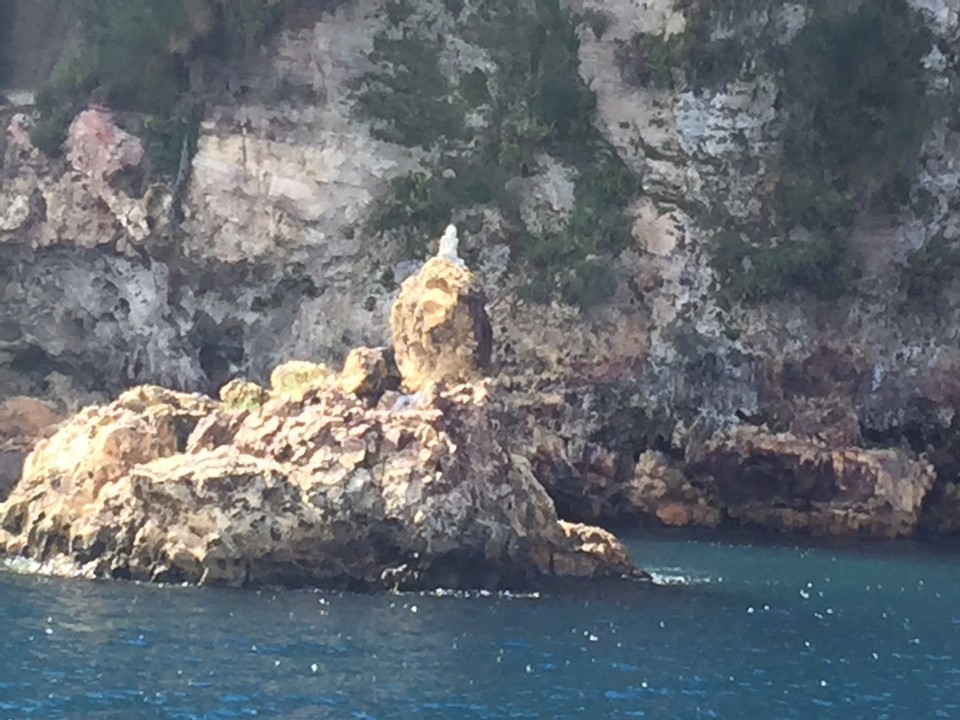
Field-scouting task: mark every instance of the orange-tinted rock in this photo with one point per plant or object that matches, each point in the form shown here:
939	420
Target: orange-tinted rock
326	490
660	489
441	331
24	420
593	552
368	372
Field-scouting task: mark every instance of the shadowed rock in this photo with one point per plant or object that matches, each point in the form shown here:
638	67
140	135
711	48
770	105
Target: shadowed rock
792	483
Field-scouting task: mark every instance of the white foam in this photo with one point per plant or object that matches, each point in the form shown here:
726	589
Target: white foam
57	567
673	576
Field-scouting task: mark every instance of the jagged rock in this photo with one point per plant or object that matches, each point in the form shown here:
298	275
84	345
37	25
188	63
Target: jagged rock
589	543
368	373
321	490
267	247
830	419
786	482
441	331
581	441
243	394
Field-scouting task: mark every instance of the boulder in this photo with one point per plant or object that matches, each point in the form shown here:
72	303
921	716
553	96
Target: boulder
239	393
295	377
369	373
660	489
441	330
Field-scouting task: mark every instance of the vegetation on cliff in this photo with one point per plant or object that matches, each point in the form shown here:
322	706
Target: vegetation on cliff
929	271
489	126
145	55
858	104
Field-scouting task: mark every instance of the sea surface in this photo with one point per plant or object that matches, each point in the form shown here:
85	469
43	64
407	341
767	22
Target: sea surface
736	629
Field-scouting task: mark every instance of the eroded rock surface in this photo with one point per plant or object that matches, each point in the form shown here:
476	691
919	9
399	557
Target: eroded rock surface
441	331
323	487
102	287
23	421
604	459
791	483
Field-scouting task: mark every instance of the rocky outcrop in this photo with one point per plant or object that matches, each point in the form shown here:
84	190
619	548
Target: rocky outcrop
103	286
441	331
604	459
660	489
327	489
790	483
325	479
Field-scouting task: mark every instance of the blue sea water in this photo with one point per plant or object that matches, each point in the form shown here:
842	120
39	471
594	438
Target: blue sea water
736	629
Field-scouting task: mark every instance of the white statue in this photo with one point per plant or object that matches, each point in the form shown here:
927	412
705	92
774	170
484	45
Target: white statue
448	246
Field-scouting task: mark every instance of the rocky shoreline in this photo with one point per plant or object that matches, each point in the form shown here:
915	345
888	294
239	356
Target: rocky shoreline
409	469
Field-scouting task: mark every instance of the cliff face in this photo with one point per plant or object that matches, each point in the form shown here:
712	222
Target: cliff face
677	212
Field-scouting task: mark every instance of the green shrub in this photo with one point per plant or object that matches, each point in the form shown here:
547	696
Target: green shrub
653	60
599	21
408	96
241	25
603	191
814	204
398	11
474	88
857	109
541	97
421	204
134	54
752	274
576	262
856	91
164	138
588	282
535	101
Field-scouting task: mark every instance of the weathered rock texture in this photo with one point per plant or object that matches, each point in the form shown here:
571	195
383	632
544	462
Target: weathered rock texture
328	489
441	331
103	287
603	459
790	483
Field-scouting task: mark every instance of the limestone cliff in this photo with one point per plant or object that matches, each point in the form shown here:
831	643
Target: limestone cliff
681	224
